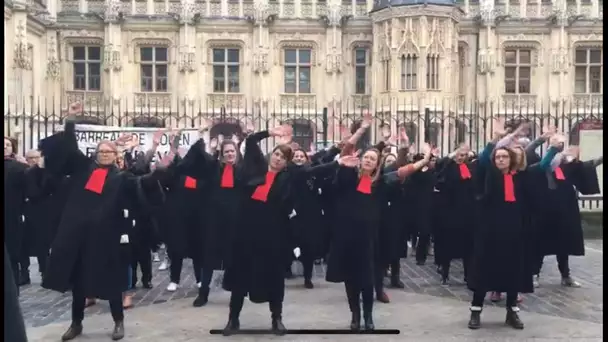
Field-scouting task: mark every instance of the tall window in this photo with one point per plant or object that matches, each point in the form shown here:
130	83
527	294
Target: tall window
432	72
360	71
154	65
588	71
518	66
461	71
297	70
87	67
409	72
226	70
386	65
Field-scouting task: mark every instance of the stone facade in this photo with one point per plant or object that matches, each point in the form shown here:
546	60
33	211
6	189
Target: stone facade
300	56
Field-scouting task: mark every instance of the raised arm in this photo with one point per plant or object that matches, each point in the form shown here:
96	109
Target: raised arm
61	153
405	171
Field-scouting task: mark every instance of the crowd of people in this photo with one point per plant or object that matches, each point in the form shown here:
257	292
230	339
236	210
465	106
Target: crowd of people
92	221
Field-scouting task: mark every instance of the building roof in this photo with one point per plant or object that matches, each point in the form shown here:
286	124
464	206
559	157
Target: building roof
382	4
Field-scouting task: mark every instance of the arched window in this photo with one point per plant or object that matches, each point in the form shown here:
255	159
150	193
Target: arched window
365	140
303	133
412	131
227	128
574	137
148	121
434	134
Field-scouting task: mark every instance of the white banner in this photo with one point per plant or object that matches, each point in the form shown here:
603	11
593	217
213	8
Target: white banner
88	136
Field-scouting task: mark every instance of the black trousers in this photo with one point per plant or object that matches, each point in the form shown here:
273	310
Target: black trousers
422	249
445	268
479	297
237	300
79	299
354	293
563	264
177	262
141	256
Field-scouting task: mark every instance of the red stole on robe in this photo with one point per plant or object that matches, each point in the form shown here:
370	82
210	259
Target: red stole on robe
261	192
509	187
97	180
365	185
465	173
227	180
190	183
559	173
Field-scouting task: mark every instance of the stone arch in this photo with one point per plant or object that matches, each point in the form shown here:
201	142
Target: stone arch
304	132
227	127
148	121
583	124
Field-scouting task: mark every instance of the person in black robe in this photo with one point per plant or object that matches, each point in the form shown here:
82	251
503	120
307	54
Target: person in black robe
500	261
14	205
222	176
359	196
558	221
85	254
454	236
14	326
260	243
421	215
307	224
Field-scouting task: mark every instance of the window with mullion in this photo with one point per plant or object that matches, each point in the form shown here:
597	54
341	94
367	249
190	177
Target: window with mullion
226	70
154	69
360	71
87	67
297	71
588	71
518	71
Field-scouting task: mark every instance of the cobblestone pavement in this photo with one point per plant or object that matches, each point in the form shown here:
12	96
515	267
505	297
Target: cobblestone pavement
585	305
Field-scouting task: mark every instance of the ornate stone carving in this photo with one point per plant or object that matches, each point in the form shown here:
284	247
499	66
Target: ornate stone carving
487	12
21	58
112	58
189	13
52	65
261	14
417	11
261	63
112	12
187	62
559	59
333	61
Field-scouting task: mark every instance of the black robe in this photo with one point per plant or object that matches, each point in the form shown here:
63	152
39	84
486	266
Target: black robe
393	230
92	223
14	327
558	216
354	245
454	234
14	207
262	238
501	259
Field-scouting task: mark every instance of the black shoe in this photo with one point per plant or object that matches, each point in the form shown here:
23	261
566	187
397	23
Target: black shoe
475	320
202	298
368	321
513	320
119	331
383	298
445	281
277	327
308	284
355	321
73	331
147	285
397	283
231	327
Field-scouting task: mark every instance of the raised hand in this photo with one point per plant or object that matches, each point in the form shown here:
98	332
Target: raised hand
403	138
426	149
220	138
281	131
557	140
349	161
122	140
205	125
386	132
132	143
75	109
157	136
366	122
235	139
499	128
548	131
312	148
436	152
213	143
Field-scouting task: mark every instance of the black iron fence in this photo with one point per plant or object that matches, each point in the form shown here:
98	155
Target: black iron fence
445	124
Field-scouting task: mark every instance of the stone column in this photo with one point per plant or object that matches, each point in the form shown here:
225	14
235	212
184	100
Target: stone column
112	54
261	52
21	58
333	61
185	90
486	64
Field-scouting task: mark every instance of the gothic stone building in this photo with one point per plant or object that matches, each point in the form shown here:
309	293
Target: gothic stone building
296	57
